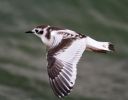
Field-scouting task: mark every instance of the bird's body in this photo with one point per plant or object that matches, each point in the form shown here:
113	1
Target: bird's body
65	48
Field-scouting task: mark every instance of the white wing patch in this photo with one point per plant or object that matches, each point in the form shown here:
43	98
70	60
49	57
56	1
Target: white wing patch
72	55
62	67
56	39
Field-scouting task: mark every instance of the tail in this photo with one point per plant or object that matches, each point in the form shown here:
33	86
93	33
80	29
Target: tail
96	46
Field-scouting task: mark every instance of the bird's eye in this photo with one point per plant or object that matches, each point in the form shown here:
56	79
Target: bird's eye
36	31
41	32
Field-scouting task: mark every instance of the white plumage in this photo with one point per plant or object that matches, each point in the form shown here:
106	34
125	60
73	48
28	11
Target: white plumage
65	48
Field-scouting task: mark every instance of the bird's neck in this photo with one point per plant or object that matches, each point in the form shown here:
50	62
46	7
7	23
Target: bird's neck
47	42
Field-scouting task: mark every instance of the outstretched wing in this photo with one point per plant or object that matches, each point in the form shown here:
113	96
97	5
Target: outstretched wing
59	35
62	61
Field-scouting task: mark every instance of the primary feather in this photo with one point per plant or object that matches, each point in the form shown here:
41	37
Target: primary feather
65	48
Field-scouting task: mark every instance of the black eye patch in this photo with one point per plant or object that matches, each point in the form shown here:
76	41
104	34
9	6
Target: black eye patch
40	32
36	31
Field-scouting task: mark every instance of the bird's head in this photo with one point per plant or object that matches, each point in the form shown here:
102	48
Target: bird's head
44	32
39	31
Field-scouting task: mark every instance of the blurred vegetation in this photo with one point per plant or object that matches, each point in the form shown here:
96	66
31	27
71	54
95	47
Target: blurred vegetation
23	72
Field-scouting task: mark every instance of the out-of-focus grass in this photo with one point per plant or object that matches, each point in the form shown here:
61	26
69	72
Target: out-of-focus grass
34	89
102	20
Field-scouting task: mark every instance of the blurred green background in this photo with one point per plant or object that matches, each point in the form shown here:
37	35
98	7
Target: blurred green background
23	71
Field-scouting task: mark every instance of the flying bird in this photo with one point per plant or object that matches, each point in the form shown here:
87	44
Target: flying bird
65	48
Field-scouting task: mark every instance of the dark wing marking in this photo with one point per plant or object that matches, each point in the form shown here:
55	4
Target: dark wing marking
71	34
59	78
62	61
61	46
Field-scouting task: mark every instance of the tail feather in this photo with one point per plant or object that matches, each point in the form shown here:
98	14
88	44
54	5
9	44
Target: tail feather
96	46
111	47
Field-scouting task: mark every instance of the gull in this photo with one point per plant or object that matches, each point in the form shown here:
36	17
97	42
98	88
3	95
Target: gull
65	48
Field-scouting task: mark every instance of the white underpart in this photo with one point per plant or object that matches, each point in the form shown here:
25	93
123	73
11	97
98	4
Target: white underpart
72	55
